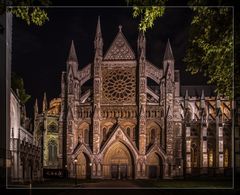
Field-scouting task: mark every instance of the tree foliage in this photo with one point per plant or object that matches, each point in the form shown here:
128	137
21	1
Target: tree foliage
28	10
17	85
210	46
210	49
148	13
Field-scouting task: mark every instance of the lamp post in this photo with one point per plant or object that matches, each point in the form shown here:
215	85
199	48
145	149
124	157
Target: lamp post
90	164
75	163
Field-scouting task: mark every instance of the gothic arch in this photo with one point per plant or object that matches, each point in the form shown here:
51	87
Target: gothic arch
52	152
119	161
155	165
82	165
82	133
154	133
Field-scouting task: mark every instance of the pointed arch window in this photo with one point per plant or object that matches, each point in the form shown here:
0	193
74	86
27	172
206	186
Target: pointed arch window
210	157
194	156
52	151
86	136
226	158
70	85
129	131
104	134
152	136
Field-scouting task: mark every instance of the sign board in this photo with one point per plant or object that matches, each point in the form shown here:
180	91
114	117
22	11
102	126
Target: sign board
54	173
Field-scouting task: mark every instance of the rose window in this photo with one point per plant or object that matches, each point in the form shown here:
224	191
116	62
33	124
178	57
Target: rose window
119	86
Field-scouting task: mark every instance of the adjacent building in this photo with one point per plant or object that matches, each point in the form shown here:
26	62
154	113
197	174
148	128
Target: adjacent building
25	153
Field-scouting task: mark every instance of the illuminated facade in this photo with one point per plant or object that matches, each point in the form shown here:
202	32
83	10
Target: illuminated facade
114	124
46	131
25	154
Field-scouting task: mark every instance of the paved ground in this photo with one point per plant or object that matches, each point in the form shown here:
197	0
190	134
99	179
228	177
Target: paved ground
133	184
110	184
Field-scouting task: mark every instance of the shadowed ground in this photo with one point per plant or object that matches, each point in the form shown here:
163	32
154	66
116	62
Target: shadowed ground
213	183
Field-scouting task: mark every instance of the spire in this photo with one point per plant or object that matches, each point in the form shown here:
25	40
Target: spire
98	42
120	28
202	96
72	53
202	99
186	95
218	101
98	30
168	55
44	108
186	98
36	108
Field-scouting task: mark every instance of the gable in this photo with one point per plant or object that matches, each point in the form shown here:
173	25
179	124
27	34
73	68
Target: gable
119	135
120	49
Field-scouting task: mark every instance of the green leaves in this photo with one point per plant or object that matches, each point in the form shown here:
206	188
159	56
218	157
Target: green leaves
210	49
26	10
148	13
32	15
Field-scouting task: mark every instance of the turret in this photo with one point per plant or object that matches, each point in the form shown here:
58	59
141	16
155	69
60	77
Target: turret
168	60
44	107
202	103
186	99
72	61
218	101
98	42
36	108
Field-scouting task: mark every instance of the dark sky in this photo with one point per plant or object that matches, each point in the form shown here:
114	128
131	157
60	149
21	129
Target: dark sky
40	53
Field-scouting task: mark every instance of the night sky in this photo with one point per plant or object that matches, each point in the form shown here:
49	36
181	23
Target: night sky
40	53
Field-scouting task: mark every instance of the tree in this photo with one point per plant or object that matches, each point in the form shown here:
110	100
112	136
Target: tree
27	10
148	13
210	48
17	85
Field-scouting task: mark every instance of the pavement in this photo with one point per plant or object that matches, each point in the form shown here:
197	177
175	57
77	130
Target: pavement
109	184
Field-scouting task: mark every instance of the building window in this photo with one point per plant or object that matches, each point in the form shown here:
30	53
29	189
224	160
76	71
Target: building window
226	158
152	136
86	136
128	131
52	151
188	115
52	128
194	156
104	134
210	157
70	90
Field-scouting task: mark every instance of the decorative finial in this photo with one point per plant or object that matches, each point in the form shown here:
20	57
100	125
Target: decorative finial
120	28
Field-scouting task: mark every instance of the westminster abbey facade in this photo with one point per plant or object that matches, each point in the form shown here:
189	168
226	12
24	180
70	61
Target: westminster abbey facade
111	123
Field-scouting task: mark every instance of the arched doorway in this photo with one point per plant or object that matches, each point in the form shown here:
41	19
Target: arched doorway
118	162
155	166
83	166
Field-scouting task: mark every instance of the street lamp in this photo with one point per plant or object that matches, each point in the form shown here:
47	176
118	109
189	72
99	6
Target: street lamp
90	174
75	162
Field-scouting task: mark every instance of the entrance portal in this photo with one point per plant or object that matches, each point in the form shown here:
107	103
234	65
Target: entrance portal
119	171
155	166
153	171
83	169
118	162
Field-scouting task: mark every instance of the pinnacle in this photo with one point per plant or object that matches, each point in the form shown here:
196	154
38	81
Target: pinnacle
168	55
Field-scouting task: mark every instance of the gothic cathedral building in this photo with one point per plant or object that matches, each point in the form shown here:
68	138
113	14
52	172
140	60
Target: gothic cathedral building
112	124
